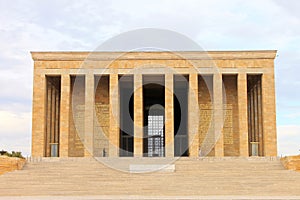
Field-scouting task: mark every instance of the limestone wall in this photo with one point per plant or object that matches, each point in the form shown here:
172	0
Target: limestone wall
77	109
8	164
291	162
205	97
231	119
101	119
230	112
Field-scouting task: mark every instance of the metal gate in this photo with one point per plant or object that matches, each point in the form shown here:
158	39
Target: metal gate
156	136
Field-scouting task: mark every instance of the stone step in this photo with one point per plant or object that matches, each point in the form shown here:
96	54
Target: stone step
189	177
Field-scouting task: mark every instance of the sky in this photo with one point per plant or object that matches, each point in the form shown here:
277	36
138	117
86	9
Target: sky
59	25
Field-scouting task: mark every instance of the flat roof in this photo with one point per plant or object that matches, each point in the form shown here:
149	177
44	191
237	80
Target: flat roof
151	55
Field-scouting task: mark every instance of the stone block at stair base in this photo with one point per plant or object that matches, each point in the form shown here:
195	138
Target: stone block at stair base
136	168
291	162
8	164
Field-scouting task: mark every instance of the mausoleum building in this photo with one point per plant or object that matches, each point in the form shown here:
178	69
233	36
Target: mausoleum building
154	104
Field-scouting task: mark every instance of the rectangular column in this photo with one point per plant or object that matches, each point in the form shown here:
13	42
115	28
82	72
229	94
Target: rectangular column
218	114
169	115
89	115
243	114
38	115
50	142
114	131
260	120
252	139
269	114
138	115
48	118
57	116
64	116
193	115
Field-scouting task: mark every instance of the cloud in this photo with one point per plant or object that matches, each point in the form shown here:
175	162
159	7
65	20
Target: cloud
15	131
288	137
14	124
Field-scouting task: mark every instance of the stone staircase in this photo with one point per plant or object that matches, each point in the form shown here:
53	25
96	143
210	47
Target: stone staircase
192	178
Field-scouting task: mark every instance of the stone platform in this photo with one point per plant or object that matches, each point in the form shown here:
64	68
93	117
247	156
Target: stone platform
199	178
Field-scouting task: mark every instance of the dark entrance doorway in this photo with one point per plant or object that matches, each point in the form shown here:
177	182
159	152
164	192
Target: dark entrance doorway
181	86
255	120
53	88
126	116
154	116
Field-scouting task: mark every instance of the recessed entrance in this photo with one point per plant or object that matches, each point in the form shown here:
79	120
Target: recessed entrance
52	116
181	85
154	115
126	115
255	128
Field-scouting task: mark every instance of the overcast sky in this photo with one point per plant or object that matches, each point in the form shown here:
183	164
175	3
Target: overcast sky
36	25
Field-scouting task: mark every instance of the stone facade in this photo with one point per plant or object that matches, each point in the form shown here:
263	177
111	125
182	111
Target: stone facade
81	118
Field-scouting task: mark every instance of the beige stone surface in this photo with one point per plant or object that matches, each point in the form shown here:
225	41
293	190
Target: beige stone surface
242	114
89	115
38	115
8	164
219	177
83	108
205	97
269	114
65	115
169	115
101	117
193	116
114	135
263	55
76	117
291	162
138	115
218	114
231	137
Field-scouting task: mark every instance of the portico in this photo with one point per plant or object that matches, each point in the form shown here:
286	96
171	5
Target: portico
154	104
